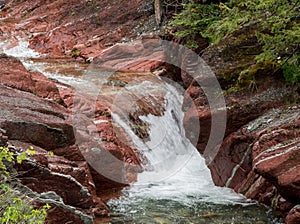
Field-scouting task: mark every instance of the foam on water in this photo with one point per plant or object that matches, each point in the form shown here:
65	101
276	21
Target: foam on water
24	54
175	170
21	51
176	178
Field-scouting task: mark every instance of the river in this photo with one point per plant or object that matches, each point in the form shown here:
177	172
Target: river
176	186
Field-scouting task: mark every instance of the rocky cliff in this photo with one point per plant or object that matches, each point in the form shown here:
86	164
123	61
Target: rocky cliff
36	114
259	156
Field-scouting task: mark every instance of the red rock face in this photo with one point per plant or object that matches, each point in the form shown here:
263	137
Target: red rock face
66	180
86	27
259	155
14	74
143	55
261	160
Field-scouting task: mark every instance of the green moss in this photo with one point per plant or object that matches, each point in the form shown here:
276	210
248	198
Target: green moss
247	77
75	53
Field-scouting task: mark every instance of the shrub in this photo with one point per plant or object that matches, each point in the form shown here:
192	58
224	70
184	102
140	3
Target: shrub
14	207
277	21
195	19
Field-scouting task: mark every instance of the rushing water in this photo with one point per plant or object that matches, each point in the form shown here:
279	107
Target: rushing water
176	186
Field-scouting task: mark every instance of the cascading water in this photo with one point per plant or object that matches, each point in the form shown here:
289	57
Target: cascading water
174	167
176	186
33	61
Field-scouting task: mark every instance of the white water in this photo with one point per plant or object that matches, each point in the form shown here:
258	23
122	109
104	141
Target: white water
21	51
25	54
176	170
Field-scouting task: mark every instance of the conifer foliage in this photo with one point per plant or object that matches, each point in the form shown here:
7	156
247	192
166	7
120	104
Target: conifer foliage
278	31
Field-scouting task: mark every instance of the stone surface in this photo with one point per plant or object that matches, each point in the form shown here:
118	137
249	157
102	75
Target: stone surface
24	114
81	28
33	119
294	216
259	155
143	55
261	160
14	74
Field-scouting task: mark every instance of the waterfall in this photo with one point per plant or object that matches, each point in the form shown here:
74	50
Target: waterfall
176	185
175	169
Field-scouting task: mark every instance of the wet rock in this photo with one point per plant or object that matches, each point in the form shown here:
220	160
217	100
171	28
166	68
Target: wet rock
259	153
233	161
93	115
60	182
280	162
59	212
143	55
30	118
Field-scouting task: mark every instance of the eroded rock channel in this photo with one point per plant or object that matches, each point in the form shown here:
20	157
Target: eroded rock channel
119	133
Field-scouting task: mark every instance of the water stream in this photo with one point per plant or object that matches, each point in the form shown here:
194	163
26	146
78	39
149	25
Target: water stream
176	186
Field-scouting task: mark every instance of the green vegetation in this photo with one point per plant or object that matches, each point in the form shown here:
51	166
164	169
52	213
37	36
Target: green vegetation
194	19
75	53
277	24
14	207
291	70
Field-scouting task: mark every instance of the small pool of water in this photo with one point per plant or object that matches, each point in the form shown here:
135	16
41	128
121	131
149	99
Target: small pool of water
167	211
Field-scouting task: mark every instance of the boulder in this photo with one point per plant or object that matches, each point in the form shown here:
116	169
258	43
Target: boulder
24	115
14	74
261	160
294	216
64	135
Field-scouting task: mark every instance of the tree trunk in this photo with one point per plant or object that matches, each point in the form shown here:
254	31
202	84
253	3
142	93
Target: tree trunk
158	9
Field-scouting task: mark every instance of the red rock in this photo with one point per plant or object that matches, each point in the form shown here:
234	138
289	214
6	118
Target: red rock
280	163
98	24
23	115
294	216
14	74
233	161
30	120
72	181
94	115
261	190
261	160
143	55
